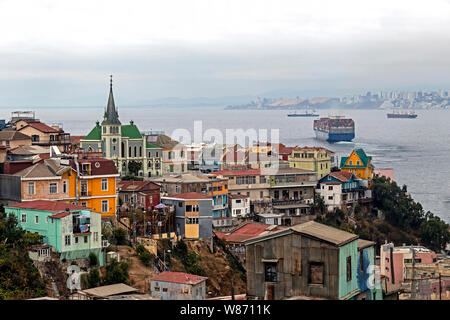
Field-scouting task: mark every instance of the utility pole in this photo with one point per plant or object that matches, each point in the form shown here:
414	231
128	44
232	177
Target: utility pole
413	281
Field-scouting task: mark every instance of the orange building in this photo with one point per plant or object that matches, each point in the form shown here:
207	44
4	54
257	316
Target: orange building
91	183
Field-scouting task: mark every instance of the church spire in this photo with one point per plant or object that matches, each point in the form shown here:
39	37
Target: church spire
111	115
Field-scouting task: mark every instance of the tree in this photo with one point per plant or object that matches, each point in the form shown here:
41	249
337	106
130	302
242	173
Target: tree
134	167
116	272
93	259
119	236
93	278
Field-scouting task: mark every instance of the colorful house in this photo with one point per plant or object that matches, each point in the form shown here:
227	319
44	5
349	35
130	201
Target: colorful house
178	286
73	231
368	278
90	181
316	159
358	163
173	157
341	188
309	259
143	194
44	135
193	214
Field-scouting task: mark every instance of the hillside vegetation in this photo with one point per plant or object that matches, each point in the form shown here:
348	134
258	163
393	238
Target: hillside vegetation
19	279
404	220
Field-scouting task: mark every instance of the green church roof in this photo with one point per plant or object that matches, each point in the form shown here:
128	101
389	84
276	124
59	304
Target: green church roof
95	134
131	131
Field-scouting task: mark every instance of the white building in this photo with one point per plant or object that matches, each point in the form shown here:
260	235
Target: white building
239	205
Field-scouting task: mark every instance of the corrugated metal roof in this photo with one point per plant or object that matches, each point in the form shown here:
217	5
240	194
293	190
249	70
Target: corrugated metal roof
189	195
47	205
110	290
365	243
324	232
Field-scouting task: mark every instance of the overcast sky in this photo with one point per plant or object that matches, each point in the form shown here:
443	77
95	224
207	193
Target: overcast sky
62	52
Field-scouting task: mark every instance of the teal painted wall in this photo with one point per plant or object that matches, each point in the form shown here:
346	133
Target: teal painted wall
350	249
54	233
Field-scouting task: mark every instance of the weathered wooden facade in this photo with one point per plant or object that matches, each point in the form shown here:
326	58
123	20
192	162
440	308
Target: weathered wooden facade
308	259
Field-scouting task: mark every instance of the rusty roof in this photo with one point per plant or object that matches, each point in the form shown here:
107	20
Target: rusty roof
324	232
178	277
247	231
47	205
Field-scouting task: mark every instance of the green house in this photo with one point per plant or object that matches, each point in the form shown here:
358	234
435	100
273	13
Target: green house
72	231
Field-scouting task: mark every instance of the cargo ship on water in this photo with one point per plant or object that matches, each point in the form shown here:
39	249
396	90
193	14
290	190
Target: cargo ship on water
335	129
402	115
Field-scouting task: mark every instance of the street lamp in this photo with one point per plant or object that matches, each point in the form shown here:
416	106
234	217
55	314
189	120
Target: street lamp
168	251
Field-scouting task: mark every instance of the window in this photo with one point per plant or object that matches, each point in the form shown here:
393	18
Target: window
24	218
171	168
53	188
67	240
164	289
104	205
95	236
104	184
85	239
31	188
270	272
36	219
182	167
156	288
330	188
140	151
238	201
330	197
64	186
84	204
76	239
261	194
316	271
349	268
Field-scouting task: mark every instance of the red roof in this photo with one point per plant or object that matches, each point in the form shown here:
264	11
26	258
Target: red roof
190	195
41	127
60	215
342	175
131	185
178	277
247	231
76	139
238	172
47	205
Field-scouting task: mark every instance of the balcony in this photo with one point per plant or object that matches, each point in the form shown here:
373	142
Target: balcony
51	141
282	184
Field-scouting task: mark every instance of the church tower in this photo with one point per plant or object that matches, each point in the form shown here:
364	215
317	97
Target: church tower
111	128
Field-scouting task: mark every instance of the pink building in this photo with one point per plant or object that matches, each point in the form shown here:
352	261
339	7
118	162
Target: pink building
394	261
386	172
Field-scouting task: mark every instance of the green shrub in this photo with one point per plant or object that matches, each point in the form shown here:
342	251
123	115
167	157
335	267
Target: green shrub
93	259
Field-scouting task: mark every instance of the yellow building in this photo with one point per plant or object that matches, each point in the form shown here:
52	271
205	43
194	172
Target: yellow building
358	163
57	179
316	159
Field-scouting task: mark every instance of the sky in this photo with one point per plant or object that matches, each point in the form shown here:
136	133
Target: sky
61	53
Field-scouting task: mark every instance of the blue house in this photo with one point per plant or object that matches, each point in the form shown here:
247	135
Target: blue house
368	280
342	188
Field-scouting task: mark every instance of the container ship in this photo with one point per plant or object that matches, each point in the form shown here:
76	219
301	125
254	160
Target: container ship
334	129
305	114
402	115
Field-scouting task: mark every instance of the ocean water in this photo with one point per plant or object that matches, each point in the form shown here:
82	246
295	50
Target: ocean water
417	149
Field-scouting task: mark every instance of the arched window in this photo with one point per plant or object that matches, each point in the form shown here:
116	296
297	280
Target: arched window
129	152
140	151
123	150
135	151
90	149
